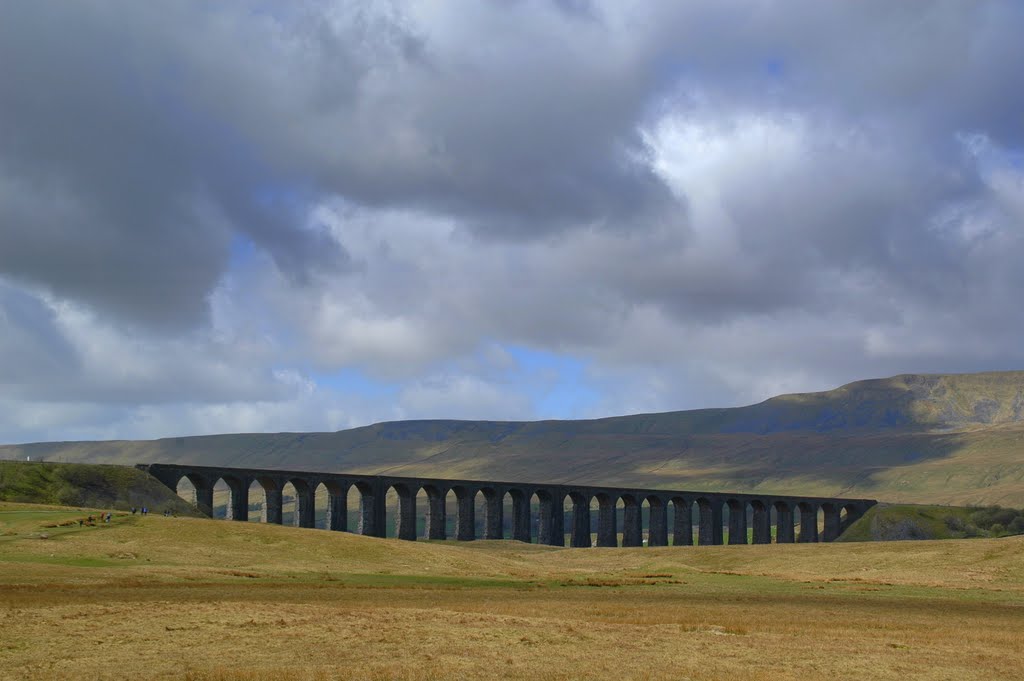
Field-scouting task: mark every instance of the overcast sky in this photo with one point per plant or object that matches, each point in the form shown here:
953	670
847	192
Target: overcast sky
247	216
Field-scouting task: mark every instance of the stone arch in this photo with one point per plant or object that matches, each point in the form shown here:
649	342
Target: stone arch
371	517
236	505
580	536
808	522
682	521
404	496
197	491
784	533
336	506
595	517
493	513
353	508
761	521
657	520
437	512
272	512
607	520
632	521
737	511
508	515
830	521
521	530
303	512
465	513
257	502
710	519
549	518
849	514
289	502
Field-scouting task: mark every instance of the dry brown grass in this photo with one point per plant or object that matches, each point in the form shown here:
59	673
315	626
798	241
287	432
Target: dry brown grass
217	601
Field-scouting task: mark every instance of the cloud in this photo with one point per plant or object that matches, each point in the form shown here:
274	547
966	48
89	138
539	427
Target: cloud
206	210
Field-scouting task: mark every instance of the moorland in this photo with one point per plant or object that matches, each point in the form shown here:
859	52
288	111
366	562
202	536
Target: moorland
188	598
946	439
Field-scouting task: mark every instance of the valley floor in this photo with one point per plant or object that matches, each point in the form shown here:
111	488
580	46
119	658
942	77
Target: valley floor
167	598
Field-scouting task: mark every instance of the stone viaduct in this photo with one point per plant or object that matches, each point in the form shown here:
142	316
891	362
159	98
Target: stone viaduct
547	527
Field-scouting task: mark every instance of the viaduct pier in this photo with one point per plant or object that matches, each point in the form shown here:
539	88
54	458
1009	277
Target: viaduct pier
715	514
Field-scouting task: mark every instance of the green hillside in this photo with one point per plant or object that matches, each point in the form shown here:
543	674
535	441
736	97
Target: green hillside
949	439
91	486
894	522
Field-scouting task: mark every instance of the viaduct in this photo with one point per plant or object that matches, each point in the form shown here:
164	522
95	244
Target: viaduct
548	527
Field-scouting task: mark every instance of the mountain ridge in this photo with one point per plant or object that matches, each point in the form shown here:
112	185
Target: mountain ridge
915	438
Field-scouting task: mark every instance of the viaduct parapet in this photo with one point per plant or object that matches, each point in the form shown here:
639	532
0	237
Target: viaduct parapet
547	525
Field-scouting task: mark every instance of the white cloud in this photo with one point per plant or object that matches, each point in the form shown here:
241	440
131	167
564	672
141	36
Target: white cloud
702	203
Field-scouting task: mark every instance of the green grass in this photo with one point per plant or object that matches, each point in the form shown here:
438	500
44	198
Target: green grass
86	485
187	598
889	522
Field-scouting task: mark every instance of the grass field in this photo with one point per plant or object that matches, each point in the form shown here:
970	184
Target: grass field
200	599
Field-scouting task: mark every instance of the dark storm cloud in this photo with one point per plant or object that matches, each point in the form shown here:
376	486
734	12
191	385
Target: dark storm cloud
702	198
117	187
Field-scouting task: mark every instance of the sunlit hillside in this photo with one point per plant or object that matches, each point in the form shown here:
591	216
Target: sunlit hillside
956	439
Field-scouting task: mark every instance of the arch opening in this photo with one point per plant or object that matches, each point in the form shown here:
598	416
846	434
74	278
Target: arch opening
231	498
303	512
682	522
761	523
632	521
492	513
657	521
548	518
579	508
784	533
607	520
353	509
709	532
372	516
521	516
465	513
737	521
808	522
257	503
197	491
401	507
436	523
331	503
508	515
288	504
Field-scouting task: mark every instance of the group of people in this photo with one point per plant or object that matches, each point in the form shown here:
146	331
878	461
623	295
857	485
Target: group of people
105	517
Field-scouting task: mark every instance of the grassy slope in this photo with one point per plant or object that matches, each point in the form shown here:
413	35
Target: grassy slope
96	486
891	522
200	599
912	439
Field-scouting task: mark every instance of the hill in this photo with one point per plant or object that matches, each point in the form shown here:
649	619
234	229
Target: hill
93	486
947	439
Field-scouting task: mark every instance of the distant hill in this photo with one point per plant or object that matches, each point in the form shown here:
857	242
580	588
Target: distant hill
955	439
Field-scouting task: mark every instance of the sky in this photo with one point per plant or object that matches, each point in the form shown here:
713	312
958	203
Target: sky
261	216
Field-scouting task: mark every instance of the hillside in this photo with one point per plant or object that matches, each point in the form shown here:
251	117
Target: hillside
93	486
948	439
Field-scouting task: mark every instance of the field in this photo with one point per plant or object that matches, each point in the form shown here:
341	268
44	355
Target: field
186	598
